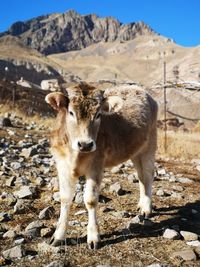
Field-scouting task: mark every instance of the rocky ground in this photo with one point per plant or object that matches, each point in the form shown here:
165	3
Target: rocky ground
29	208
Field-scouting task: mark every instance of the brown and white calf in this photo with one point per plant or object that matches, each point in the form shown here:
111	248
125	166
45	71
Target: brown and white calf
94	130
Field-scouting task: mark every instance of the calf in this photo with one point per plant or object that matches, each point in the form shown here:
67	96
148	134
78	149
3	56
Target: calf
94	130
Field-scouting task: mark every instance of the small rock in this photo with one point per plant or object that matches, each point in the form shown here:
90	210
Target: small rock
134	222
28	152
189	236
116	187
46	213
161	172
21	206
4	217
116	169
184	180
195	243
176	195
25	192
11	181
22	181
194	211
40	181
46	232
46	248
78	198
104	265
171	234
15	252
9	234
158	265
178	188
15	165
160	193
56	196
19	240
198	168
56	264
132	178
33	229
186	255
80	212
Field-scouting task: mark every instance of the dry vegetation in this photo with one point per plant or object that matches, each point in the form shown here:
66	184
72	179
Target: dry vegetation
182	145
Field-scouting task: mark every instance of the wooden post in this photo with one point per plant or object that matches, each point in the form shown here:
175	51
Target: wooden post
165	106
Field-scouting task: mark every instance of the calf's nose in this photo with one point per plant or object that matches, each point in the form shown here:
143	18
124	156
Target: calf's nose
85	146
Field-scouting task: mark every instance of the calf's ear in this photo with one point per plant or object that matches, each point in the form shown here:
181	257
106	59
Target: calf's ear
57	100
112	104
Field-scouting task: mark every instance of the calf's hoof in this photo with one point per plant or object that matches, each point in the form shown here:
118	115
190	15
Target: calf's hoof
56	242
93	245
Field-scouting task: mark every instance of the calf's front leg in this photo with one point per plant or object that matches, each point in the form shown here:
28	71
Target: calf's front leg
67	188
91	197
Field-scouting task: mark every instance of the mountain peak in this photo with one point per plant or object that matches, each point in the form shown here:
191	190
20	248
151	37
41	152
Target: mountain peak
69	31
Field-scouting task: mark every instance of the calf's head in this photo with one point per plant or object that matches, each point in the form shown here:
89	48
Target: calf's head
84	108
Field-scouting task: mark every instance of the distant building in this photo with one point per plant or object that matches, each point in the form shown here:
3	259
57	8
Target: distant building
51	85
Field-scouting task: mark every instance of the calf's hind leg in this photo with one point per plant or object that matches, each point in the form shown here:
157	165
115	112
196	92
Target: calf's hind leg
144	165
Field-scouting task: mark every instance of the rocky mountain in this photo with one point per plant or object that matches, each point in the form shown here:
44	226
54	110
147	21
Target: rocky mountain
57	33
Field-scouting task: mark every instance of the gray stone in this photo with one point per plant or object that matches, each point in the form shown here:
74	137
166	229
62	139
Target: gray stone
186	255
132	178
40	181
22	181
46	248
171	234
34	224
134	222
56	264
176	195
178	188
116	188
4	217
160	193
78	198
15	165
33	229
47	213
56	196
45	232
25	192
80	212
189	236
161	172
104	265
158	265
195	243
10	234
15	252
21	206
184	180
116	169
11	181
28	152
19	241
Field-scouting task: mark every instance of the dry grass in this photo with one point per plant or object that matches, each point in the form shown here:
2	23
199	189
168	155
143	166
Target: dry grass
179	144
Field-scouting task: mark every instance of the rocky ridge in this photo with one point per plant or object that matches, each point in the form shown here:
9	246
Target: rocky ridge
56	33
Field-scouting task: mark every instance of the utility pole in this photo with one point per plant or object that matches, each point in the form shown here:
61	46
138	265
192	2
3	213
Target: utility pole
165	105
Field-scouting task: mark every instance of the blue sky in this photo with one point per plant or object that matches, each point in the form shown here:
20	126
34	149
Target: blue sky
178	19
